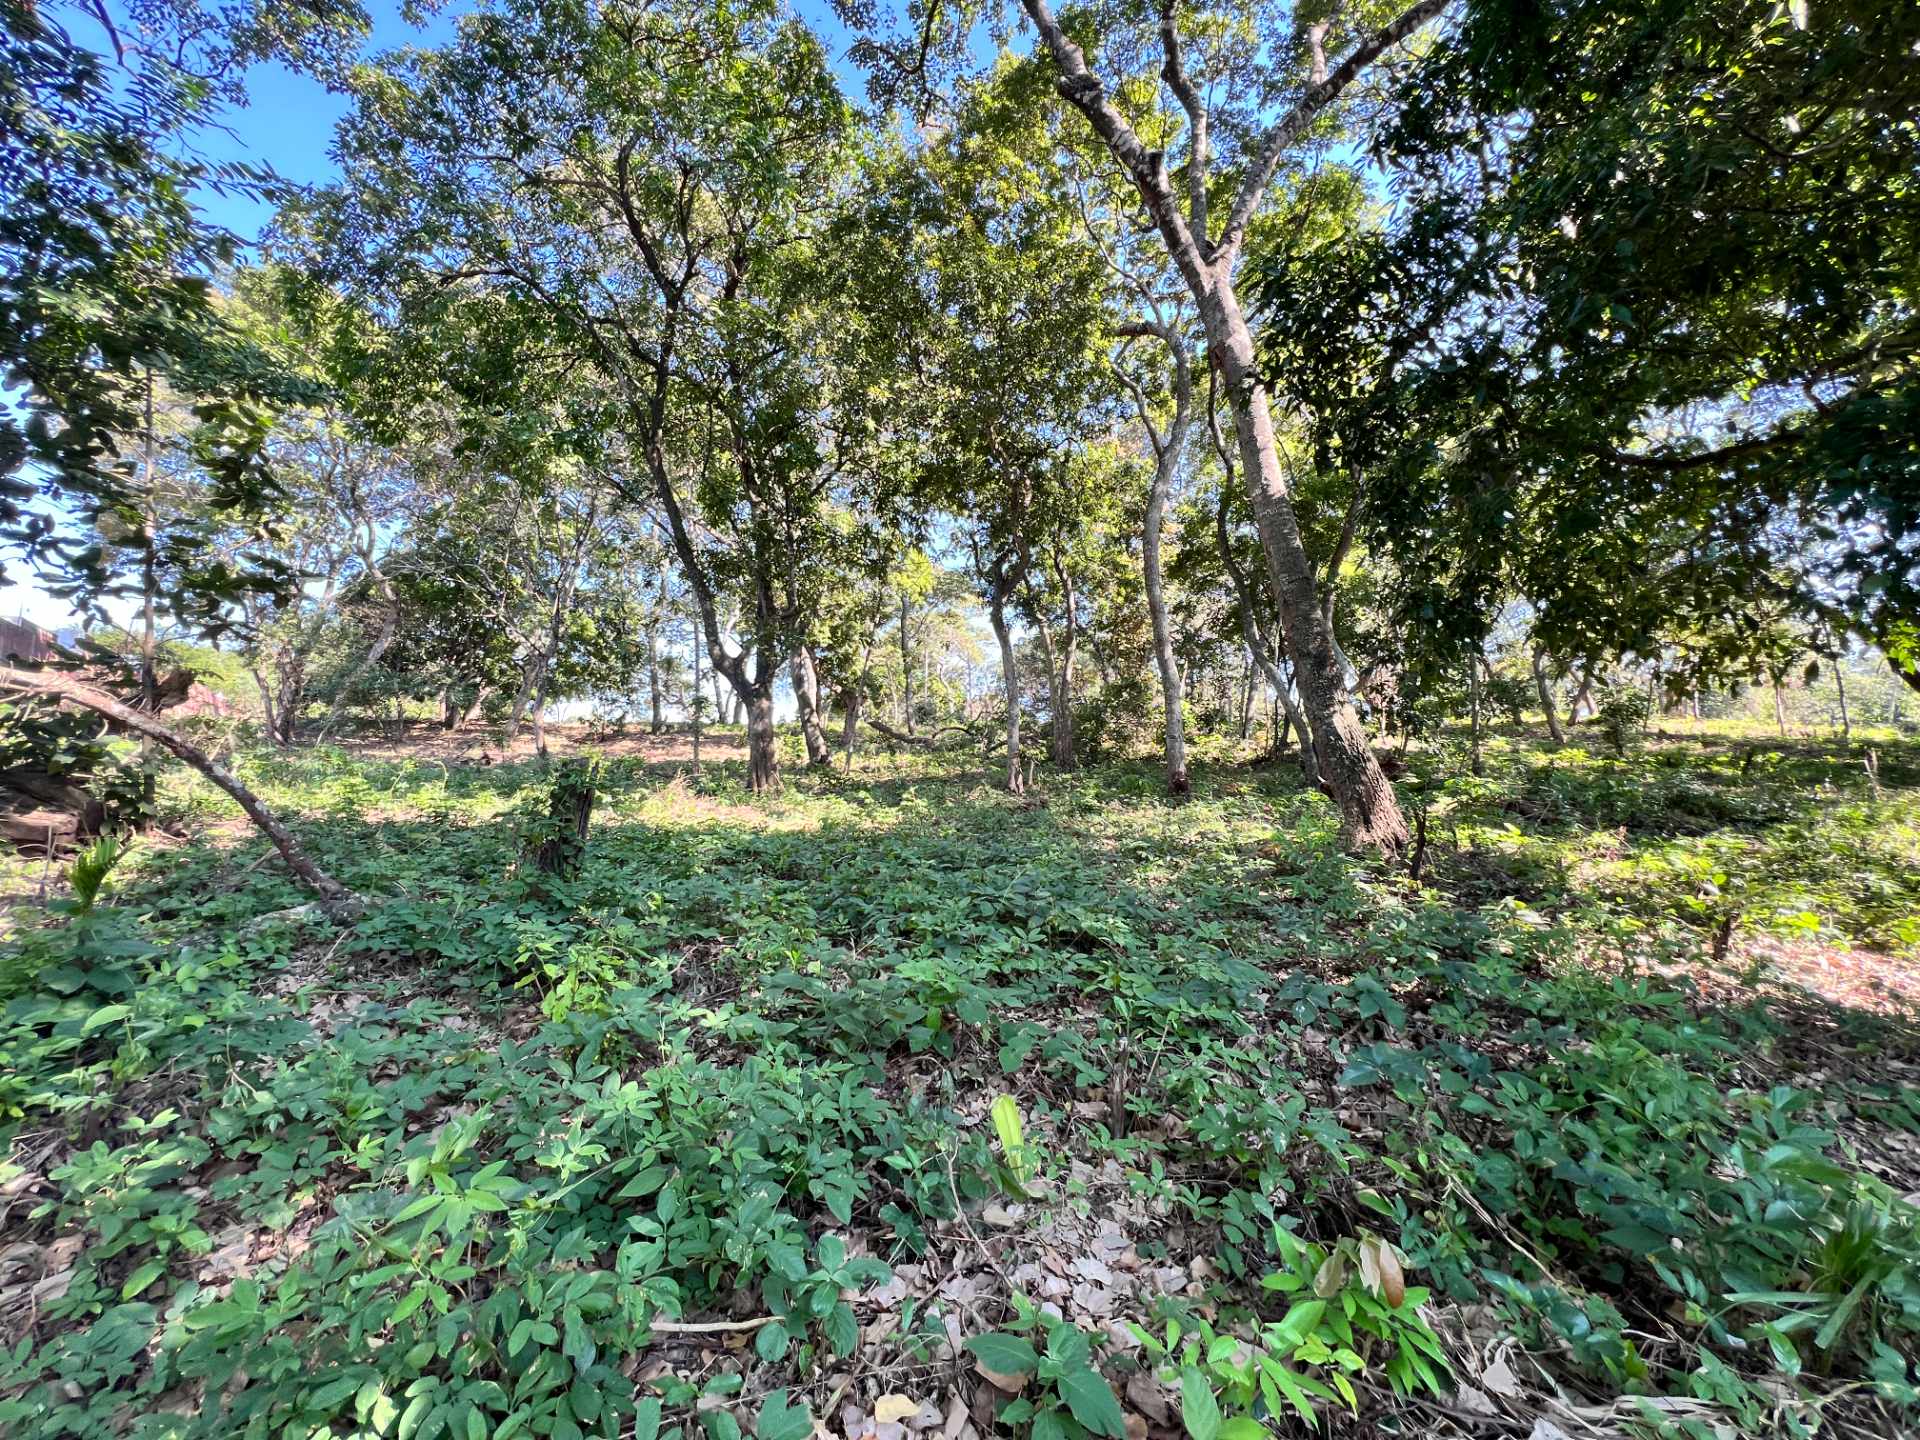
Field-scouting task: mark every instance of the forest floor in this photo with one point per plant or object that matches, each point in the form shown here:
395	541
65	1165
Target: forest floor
893	1108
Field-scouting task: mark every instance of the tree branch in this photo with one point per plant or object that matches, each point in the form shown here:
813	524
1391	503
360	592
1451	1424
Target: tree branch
1310	106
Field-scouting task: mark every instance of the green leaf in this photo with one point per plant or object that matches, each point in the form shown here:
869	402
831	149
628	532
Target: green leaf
772	1342
105	1015
1004	1354
1198	1409
1092	1402
646	1419
143	1277
780	1420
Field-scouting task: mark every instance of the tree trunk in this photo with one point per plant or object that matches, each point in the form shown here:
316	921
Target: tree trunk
1247	682
1062	717
480	693
1163	657
1779	709
693	704
850	724
657	720
1582	696
1254	634
806	693
1473	707
763	756
335	899
1369	814
1545	688
1840	686
906	671
1010	680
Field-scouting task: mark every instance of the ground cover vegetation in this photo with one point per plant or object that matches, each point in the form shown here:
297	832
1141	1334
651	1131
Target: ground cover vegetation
924	720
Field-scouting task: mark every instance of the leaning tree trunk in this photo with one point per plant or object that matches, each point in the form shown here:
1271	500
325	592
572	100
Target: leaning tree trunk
806	694
335	899
1545	688
1369	813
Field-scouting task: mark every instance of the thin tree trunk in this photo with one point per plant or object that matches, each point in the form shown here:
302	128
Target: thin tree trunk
1246	696
1840	686
697	698
1166	461
1063	692
657	719
1779	709
1010	680
389	626
906	671
1473	705
149	575
335	899
480	693
1545	688
806	693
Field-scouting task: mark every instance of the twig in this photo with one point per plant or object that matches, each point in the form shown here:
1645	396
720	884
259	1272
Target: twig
708	1327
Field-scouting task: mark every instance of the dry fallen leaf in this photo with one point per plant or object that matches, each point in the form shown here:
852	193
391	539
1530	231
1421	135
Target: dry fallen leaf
1500	1379
892	1409
1009	1384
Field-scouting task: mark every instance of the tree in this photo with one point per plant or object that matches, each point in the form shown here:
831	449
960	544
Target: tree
1207	261
1650	427
107	295
633	188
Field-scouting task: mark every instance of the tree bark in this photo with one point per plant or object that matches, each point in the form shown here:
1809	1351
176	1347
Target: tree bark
335	899
1545	687
806	692
1840	686
763	756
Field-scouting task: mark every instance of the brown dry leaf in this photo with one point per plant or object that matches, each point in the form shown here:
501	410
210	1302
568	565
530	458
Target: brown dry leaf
1331	1276
1000	1216
1145	1395
1380	1270
956	1416
1500	1379
893	1409
1007	1384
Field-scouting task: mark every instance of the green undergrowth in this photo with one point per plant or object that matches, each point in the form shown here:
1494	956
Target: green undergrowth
446	1173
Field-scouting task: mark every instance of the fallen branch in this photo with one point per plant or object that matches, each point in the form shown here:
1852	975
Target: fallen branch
925	742
708	1327
339	903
